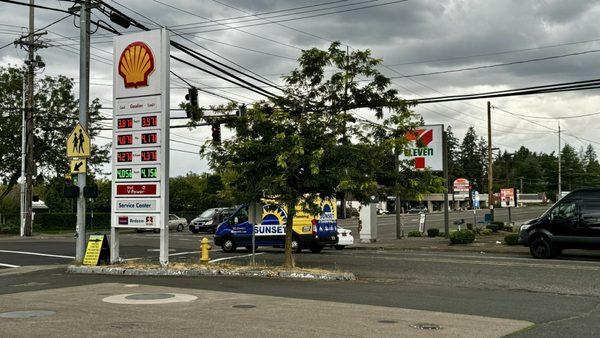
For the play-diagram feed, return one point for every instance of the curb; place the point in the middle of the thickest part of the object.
(458, 250)
(107, 270)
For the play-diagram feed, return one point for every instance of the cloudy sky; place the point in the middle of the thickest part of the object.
(412, 37)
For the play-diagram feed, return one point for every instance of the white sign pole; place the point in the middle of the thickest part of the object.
(140, 150)
(164, 175)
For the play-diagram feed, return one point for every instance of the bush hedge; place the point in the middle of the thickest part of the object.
(511, 239)
(433, 232)
(414, 233)
(464, 236)
(508, 228)
(494, 226)
(487, 232)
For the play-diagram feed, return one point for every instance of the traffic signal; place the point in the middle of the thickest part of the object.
(216, 132)
(192, 97)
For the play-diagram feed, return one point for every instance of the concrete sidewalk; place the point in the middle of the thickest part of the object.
(86, 311)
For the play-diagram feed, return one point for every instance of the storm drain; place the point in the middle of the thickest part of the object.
(425, 326)
(244, 306)
(149, 298)
(27, 314)
(387, 321)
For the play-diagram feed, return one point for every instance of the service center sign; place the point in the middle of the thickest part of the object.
(425, 148)
(140, 151)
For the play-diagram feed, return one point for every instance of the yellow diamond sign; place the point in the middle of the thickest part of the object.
(78, 142)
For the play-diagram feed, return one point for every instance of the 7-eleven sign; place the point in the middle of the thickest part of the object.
(425, 148)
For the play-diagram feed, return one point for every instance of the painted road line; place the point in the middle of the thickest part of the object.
(36, 254)
(233, 257)
(9, 265)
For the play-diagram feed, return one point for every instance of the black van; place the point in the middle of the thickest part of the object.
(572, 223)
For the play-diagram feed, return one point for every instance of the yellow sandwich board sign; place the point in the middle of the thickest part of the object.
(78, 166)
(78, 142)
(97, 250)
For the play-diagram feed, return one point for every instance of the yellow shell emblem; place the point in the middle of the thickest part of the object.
(136, 64)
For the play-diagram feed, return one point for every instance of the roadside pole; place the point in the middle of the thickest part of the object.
(84, 75)
(559, 168)
(490, 164)
(446, 184)
(23, 156)
(398, 203)
(28, 229)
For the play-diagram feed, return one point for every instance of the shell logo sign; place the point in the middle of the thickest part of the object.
(136, 64)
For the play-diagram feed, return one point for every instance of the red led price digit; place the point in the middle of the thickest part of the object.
(149, 155)
(149, 121)
(149, 138)
(125, 123)
(124, 156)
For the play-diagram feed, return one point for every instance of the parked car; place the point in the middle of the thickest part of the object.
(177, 223)
(418, 210)
(210, 219)
(572, 223)
(345, 238)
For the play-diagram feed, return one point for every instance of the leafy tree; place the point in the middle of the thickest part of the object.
(471, 161)
(308, 142)
(56, 111)
(572, 168)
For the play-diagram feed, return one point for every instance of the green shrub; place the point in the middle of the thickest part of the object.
(486, 232)
(464, 236)
(433, 232)
(508, 228)
(470, 226)
(493, 226)
(414, 233)
(442, 234)
(511, 239)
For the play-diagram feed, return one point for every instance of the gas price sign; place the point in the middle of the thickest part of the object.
(140, 161)
(131, 123)
(138, 138)
(137, 173)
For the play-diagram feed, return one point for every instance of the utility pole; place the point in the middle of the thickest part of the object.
(521, 179)
(23, 159)
(27, 161)
(84, 86)
(490, 169)
(559, 173)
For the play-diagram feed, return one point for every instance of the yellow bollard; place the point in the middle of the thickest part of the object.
(204, 247)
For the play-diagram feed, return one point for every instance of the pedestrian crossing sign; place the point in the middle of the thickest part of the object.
(78, 142)
(78, 166)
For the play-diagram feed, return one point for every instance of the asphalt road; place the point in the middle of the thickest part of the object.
(387, 223)
(560, 296)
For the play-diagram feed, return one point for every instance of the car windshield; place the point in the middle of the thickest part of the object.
(207, 213)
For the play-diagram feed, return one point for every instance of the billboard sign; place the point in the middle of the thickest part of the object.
(425, 148)
(508, 197)
(140, 147)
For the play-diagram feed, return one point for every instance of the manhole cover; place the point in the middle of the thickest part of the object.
(387, 321)
(425, 326)
(26, 314)
(244, 306)
(150, 296)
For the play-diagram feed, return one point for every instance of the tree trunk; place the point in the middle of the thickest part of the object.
(289, 258)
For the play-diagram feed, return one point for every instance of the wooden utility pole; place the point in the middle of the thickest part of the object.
(490, 163)
(559, 168)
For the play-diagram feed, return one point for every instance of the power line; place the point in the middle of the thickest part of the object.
(265, 13)
(499, 64)
(492, 53)
(301, 17)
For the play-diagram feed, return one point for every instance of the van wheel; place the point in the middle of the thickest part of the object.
(542, 248)
(316, 248)
(180, 228)
(339, 247)
(228, 245)
(296, 246)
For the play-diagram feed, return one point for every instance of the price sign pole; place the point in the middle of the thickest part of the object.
(140, 162)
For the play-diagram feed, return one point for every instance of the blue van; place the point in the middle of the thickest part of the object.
(309, 231)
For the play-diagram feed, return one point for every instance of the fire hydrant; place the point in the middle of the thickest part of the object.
(204, 247)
